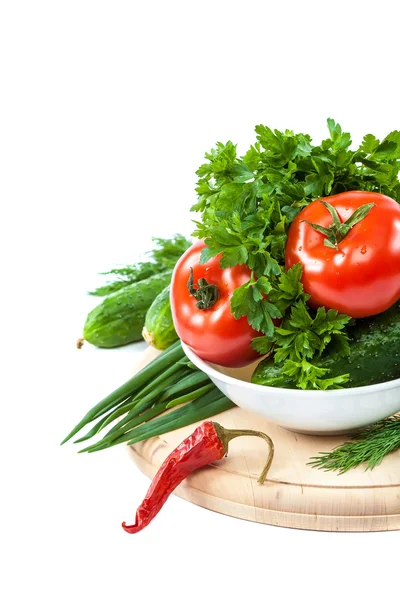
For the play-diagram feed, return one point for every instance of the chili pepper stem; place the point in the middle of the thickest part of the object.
(226, 435)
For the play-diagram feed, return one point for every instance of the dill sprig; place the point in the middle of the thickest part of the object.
(162, 257)
(369, 446)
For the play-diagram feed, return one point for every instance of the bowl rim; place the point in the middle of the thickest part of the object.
(207, 367)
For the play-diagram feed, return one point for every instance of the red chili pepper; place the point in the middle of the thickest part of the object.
(207, 443)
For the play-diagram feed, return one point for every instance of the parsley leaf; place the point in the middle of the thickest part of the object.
(309, 376)
(316, 331)
(287, 288)
(249, 300)
(302, 335)
(369, 144)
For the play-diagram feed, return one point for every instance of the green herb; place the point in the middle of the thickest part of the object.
(303, 333)
(370, 446)
(162, 258)
(169, 380)
(247, 205)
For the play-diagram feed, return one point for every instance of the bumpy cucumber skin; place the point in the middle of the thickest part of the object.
(159, 330)
(119, 319)
(374, 355)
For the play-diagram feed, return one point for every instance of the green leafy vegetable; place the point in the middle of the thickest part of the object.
(163, 257)
(304, 333)
(247, 204)
(246, 300)
(369, 447)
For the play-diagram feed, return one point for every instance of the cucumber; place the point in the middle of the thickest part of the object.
(159, 330)
(374, 355)
(119, 319)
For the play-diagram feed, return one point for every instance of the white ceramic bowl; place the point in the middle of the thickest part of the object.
(314, 412)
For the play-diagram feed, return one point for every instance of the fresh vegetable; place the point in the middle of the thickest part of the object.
(208, 443)
(247, 205)
(159, 330)
(200, 303)
(349, 248)
(120, 317)
(303, 336)
(170, 380)
(162, 258)
(373, 356)
(369, 446)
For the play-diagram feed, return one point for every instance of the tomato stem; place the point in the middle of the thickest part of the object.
(337, 231)
(205, 293)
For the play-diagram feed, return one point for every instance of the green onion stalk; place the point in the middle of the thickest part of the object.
(141, 406)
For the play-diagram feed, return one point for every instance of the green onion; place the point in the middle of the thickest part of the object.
(168, 357)
(193, 379)
(207, 406)
(169, 381)
(190, 396)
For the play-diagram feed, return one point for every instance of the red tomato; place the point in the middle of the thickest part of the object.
(212, 333)
(361, 277)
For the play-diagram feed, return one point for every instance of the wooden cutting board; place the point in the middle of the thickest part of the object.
(294, 495)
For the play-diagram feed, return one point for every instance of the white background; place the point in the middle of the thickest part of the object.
(106, 111)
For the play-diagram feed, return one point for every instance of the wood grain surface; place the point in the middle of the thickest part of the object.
(294, 495)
